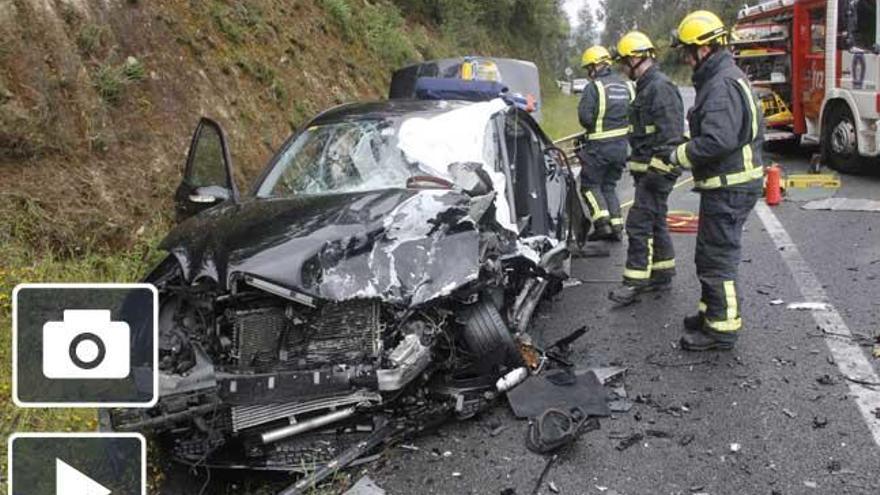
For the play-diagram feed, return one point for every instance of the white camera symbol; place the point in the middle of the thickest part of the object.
(86, 345)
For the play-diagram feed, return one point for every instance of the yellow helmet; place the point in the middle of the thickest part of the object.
(595, 55)
(635, 44)
(700, 28)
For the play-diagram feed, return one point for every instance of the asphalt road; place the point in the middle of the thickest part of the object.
(763, 396)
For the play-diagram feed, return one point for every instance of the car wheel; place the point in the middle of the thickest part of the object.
(840, 145)
(488, 337)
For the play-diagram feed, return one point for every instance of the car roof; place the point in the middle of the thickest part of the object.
(384, 109)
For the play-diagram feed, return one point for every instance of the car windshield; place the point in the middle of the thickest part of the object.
(349, 156)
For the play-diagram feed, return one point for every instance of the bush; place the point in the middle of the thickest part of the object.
(133, 70)
(109, 81)
(340, 13)
(90, 38)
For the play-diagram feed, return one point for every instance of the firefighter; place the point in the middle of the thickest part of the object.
(657, 121)
(604, 113)
(724, 155)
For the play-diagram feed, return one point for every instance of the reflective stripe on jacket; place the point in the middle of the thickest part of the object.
(726, 126)
(657, 120)
(604, 107)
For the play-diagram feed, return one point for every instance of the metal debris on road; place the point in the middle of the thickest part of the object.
(819, 422)
(553, 487)
(571, 282)
(686, 440)
(735, 447)
(776, 302)
(789, 413)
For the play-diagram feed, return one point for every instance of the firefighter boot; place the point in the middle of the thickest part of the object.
(694, 323)
(601, 231)
(708, 340)
(660, 282)
(626, 294)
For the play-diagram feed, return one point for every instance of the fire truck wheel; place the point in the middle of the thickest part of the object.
(840, 141)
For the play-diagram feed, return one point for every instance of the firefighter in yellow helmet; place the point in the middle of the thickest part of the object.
(724, 155)
(604, 113)
(657, 123)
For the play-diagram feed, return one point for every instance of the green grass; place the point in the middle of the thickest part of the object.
(559, 114)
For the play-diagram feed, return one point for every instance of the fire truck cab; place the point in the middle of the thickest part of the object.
(815, 65)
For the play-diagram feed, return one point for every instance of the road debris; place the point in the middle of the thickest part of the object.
(826, 380)
(544, 472)
(365, 486)
(811, 484)
(494, 432)
(819, 422)
(735, 447)
(553, 487)
(658, 434)
(809, 306)
(620, 405)
(629, 441)
(776, 302)
(686, 440)
(789, 413)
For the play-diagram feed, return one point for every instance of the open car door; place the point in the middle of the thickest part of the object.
(207, 178)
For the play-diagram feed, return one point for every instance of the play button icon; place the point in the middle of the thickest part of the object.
(77, 464)
(69, 480)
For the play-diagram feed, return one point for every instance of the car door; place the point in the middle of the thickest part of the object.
(207, 178)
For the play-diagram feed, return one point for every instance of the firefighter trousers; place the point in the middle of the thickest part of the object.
(650, 256)
(602, 164)
(722, 215)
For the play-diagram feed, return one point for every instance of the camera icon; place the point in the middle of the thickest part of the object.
(86, 345)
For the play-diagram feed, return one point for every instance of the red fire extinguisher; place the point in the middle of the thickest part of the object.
(773, 186)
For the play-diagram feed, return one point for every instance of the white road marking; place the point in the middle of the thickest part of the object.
(847, 355)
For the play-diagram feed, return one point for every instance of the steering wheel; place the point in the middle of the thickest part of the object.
(427, 182)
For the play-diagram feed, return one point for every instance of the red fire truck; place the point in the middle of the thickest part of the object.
(814, 64)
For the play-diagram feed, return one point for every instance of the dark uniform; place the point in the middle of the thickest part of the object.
(657, 118)
(724, 153)
(604, 113)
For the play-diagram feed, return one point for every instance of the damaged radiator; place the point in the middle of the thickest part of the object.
(342, 333)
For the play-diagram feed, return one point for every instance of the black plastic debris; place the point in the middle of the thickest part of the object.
(540, 393)
(629, 441)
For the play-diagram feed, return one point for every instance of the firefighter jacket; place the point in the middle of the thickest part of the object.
(726, 126)
(657, 118)
(604, 107)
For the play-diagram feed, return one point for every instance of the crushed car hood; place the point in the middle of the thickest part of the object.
(404, 246)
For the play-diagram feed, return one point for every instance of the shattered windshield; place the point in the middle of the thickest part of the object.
(341, 157)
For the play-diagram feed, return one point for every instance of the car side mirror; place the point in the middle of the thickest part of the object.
(207, 179)
(209, 195)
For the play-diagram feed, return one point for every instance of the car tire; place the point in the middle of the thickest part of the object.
(840, 141)
(487, 336)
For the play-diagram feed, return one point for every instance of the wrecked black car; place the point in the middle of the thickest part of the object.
(379, 279)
